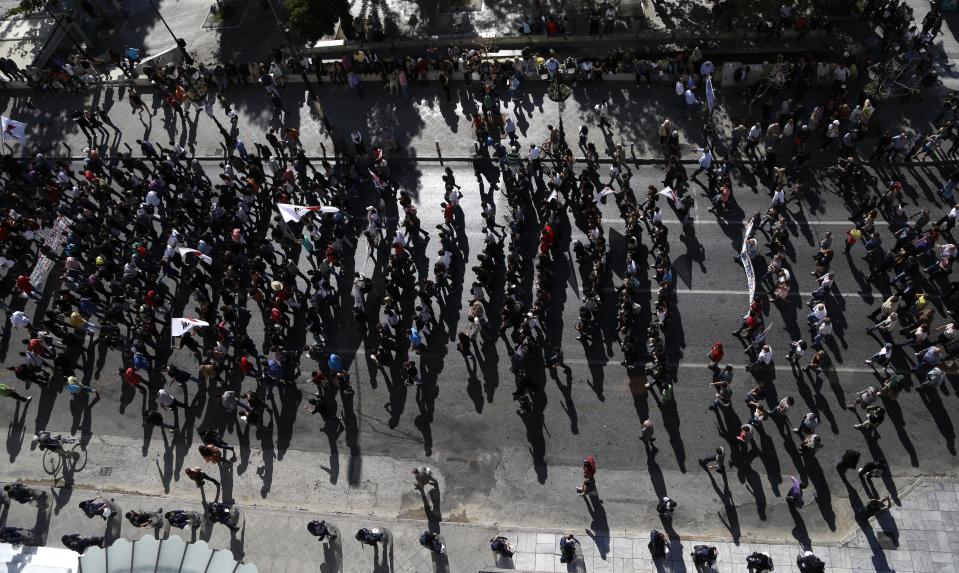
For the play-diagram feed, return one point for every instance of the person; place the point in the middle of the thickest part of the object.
(78, 543)
(368, 536)
(807, 425)
(181, 519)
(225, 514)
(658, 545)
(864, 398)
(874, 417)
(758, 562)
(145, 519)
(432, 541)
(320, 530)
(666, 507)
(199, 477)
(501, 547)
(646, 435)
(715, 461)
(98, 507)
(567, 548)
(881, 358)
(423, 476)
(154, 418)
(794, 496)
(8, 392)
(808, 562)
(874, 507)
(704, 556)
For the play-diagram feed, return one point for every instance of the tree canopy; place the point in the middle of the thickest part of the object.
(313, 19)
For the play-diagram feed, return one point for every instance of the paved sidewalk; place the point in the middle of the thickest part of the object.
(921, 536)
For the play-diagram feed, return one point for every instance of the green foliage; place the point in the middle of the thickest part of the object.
(313, 19)
(25, 7)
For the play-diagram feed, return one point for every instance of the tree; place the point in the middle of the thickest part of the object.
(313, 19)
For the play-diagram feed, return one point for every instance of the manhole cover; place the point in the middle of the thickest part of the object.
(888, 540)
(106, 470)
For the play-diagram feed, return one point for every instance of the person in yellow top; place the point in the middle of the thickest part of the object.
(8, 392)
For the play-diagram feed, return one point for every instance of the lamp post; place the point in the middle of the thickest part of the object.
(180, 42)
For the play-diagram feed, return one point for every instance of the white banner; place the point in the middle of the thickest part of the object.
(748, 262)
(56, 237)
(295, 212)
(39, 274)
(184, 251)
(710, 93)
(180, 326)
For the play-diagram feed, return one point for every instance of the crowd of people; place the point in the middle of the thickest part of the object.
(150, 234)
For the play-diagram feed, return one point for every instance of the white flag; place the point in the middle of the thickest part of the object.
(181, 326)
(670, 193)
(13, 129)
(295, 212)
(597, 197)
(184, 251)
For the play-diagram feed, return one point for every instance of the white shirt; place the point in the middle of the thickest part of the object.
(765, 356)
(779, 198)
(164, 398)
(19, 319)
(819, 312)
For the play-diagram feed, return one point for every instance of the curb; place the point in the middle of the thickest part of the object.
(446, 524)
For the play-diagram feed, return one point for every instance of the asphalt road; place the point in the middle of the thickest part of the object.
(500, 469)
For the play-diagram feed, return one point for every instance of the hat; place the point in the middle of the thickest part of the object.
(71, 380)
(277, 286)
(370, 208)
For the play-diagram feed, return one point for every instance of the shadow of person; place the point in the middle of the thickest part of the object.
(431, 505)
(799, 531)
(441, 562)
(237, 542)
(333, 555)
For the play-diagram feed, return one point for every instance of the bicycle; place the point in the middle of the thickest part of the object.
(54, 445)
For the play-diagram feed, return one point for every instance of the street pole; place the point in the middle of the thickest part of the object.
(180, 42)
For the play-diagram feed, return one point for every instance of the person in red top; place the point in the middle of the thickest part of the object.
(26, 287)
(589, 466)
(449, 215)
(749, 324)
(36, 346)
(546, 239)
(131, 377)
(716, 354)
(248, 367)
